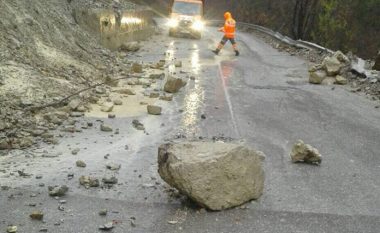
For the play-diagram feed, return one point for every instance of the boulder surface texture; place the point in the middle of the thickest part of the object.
(215, 175)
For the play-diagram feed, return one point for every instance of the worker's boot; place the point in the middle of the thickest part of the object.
(237, 53)
(216, 51)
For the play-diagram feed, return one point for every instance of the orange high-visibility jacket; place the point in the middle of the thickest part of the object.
(229, 28)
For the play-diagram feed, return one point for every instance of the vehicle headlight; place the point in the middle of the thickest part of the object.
(173, 23)
(198, 25)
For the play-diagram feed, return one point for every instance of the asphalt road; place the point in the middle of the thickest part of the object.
(261, 98)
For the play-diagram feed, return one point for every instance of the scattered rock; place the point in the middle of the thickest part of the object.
(113, 166)
(157, 76)
(110, 180)
(88, 181)
(103, 212)
(173, 84)
(130, 46)
(118, 102)
(138, 125)
(37, 215)
(154, 95)
(154, 110)
(178, 64)
(332, 66)
(81, 163)
(136, 68)
(75, 151)
(329, 81)
(341, 80)
(126, 91)
(302, 152)
(106, 227)
(167, 97)
(215, 175)
(111, 116)
(12, 229)
(74, 104)
(100, 90)
(58, 191)
(317, 76)
(106, 128)
(107, 107)
(203, 117)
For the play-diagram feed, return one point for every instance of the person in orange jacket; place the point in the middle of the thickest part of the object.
(229, 34)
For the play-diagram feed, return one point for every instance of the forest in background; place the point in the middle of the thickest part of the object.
(347, 25)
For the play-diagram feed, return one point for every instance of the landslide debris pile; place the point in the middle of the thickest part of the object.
(46, 56)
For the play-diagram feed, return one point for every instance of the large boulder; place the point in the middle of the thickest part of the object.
(173, 84)
(332, 66)
(214, 175)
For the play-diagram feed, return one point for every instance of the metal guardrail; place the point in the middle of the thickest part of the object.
(278, 36)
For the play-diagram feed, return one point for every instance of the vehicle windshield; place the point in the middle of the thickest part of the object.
(187, 8)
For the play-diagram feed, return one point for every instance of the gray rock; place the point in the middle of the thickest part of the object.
(74, 104)
(178, 64)
(329, 81)
(37, 215)
(130, 46)
(173, 84)
(110, 180)
(138, 125)
(88, 181)
(75, 151)
(302, 152)
(76, 114)
(154, 110)
(166, 97)
(103, 212)
(107, 107)
(106, 128)
(317, 77)
(154, 95)
(332, 66)
(340, 80)
(106, 227)
(80, 163)
(113, 166)
(12, 229)
(137, 68)
(215, 175)
(126, 91)
(58, 191)
(118, 102)
(100, 90)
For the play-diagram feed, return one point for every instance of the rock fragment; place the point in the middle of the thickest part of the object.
(332, 66)
(126, 91)
(107, 107)
(11, 229)
(215, 175)
(118, 102)
(173, 84)
(341, 80)
(88, 181)
(130, 46)
(154, 110)
(302, 152)
(138, 125)
(137, 68)
(106, 227)
(106, 128)
(80, 163)
(58, 191)
(317, 76)
(37, 215)
(113, 166)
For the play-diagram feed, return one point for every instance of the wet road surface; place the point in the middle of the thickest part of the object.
(261, 98)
